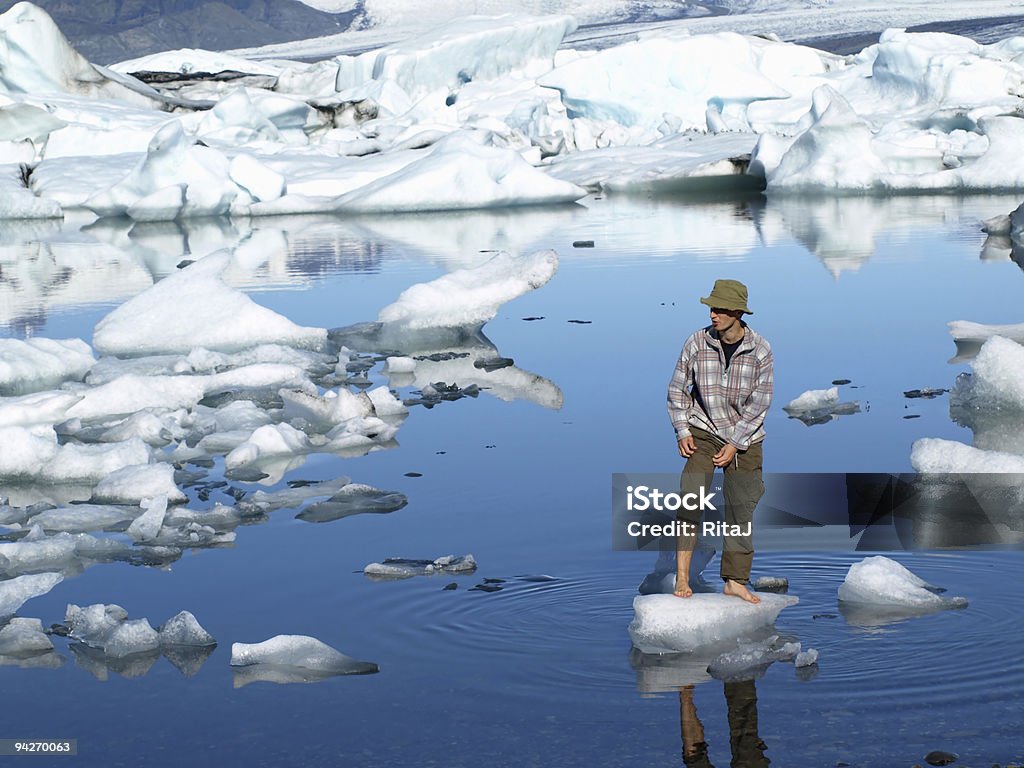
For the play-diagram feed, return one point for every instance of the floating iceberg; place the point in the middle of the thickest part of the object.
(130, 485)
(107, 629)
(353, 499)
(470, 297)
(292, 659)
(883, 583)
(460, 173)
(996, 381)
(15, 592)
(183, 629)
(935, 455)
(24, 637)
(35, 364)
(669, 624)
(28, 456)
(819, 406)
(403, 568)
(195, 308)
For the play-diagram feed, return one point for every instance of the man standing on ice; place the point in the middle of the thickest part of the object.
(717, 400)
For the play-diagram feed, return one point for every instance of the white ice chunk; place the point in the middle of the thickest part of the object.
(470, 297)
(93, 623)
(386, 404)
(806, 658)
(813, 399)
(879, 581)
(175, 178)
(255, 178)
(327, 411)
(80, 518)
(403, 568)
(17, 591)
(37, 59)
(469, 49)
(933, 454)
(186, 61)
(147, 525)
(400, 365)
(965, 330)
(39, 408)
(998, 376)
(272, 440)
(24, 637)
(28, 456)
(459, 173)
(192, 308)
(184, 630)
(130, 637)
(299, 652)
(131, 485)
(34, 364)
(669, 624)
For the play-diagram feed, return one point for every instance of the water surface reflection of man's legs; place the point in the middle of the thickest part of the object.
(748, 749)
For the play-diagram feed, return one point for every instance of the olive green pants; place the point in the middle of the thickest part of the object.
(743, 487)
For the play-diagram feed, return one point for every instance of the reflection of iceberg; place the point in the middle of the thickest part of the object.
(451, 356)
(438, 324)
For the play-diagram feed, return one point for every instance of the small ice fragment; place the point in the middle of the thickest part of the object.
(17, 591)
(404, 568)
(771, 584)
(131, 637)
(132, 484)
(147, 526)
(24, 637)
(184, 630)
(400, 365)
(806, 658)
(299, 652)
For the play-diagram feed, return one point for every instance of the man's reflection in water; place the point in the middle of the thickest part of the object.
(747, 747)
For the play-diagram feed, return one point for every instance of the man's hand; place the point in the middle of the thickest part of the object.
(725, 456)
(687, 447)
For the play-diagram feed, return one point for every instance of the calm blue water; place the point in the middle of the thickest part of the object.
(540, 673)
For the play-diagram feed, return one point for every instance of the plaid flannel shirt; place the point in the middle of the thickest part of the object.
(736, 398)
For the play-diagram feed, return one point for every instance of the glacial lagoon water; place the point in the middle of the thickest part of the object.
(540, 673)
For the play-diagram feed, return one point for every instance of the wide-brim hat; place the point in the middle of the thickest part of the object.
(728, 294)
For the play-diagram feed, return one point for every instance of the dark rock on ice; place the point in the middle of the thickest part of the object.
(493, 363)
(582, 243)
(927, 393)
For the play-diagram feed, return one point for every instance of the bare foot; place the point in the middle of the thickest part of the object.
(736, 589)
(682, 588)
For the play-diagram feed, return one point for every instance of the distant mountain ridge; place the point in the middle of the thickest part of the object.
(106, 31)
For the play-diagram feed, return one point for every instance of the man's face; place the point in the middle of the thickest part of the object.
(724, 319)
